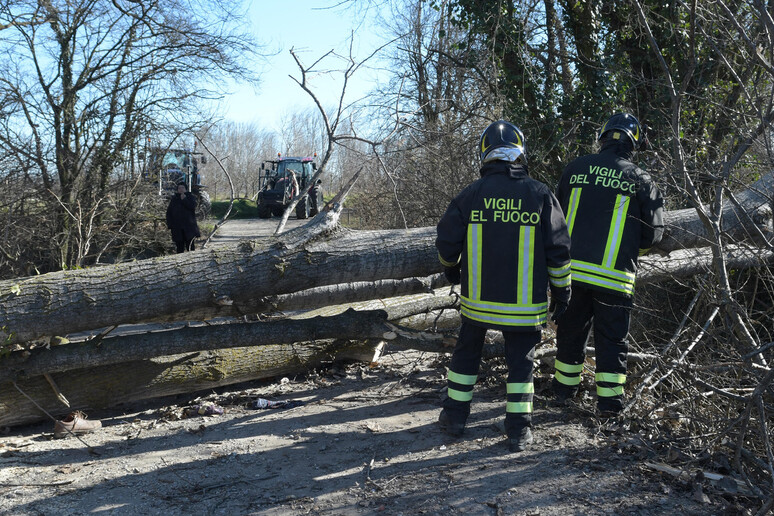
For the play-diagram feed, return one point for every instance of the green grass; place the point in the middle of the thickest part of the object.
(243, 209)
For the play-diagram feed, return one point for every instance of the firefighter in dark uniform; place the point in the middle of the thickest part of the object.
(504, 238)
(614, 214)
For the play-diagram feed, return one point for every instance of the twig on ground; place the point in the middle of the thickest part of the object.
(36, 484)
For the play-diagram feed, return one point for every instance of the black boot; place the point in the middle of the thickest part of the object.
(562, 392)
(519, 440)
(609, 407)
(449, 425)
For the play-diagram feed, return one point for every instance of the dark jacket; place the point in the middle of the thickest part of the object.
(509, 235)
(614, 214)
(181, 218)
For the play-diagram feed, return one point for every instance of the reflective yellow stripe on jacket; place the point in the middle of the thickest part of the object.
(609, 278)
(615, 234)
(503, 313)
(521, 313)
(474, 260)
(572, 208)
(605, 274)
(526, 264)
(560, 276)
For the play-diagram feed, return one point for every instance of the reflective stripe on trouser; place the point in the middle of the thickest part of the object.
(610, 315)
(519, 352)
(567, 374)
(463, 371)
(461, 386)
(610, 385)
(519, 398)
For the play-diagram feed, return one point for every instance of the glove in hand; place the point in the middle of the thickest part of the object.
(557, 310)
(452, 274)
(560, 299)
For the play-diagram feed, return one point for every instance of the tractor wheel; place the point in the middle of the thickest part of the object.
(278, 211)
(203, 206)
(302, 208)
(315, 198)
(264, 212)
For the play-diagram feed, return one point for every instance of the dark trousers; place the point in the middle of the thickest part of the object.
(608, 314)
(183, 246)
(463, 372)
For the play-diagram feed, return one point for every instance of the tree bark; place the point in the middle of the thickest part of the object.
(207, 283)
(100, 374)
(348, 293)
(96, 385)
(689, 262)
(750, 220)
(107, 386)
(350, 325)
(241, 280)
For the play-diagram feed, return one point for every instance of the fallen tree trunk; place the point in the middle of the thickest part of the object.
(108, 386)
(351, 325)
(108, 373)
(205, 284)
(747, 217)
(234, 281)
(345, 294)
(689, 262)
(31, 310)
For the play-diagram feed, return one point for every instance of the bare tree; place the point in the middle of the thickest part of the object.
(243, 147)
(302, 134)
(442, 94)
(727, 390)
(80, 90)
(338, 119)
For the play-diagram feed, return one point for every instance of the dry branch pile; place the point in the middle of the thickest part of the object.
(707, 400)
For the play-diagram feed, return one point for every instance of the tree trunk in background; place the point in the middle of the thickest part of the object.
(686, 230)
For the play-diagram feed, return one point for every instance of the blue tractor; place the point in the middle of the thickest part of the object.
(168, 167)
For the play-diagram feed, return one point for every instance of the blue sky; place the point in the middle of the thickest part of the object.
(312, 30)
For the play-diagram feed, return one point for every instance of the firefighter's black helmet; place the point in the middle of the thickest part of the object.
(624, 124)
(503, 134)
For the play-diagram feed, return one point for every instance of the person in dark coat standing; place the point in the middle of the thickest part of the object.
(181, 219)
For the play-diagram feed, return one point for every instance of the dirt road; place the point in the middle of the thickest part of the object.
(364, 441)
(245, 229)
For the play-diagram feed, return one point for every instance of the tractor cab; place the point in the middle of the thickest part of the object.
(284, 178)
(168, 167)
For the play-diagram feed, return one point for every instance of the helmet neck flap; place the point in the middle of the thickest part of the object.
(503, 141)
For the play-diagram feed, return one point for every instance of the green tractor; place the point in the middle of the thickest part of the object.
(168, 167)
(284, 178)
